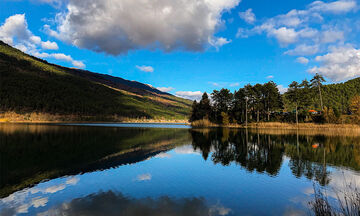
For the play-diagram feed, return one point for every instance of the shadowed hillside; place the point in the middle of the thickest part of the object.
(29, 84)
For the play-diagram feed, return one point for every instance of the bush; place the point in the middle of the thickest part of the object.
(202, 123)
(225, 118)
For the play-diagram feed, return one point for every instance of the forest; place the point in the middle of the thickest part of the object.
(308, 101)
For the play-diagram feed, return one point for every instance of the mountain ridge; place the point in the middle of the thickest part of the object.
(29, 84)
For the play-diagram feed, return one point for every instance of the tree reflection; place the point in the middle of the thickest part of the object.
(309, 156)
(253, 151)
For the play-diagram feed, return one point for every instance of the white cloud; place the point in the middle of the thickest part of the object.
(115, 27)
(165, 89)
(145, 68)
(242, 33)
(302, 60)
(218, 42)
(78, 64)
(248, 16)
(191, 95)
(282, 89)
(340, 64)
(270, 77)
(15, 28)
(16, 33)
(284, 35)
(336, 7)
(61, 56)
(144, 177)
(55, 3)
(330, 36)
(308, 31)
(49, 45)
(303, 49)
(67, 58)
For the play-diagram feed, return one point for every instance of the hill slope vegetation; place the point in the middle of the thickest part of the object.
(29, 84)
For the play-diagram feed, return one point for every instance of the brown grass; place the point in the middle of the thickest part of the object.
(13, 117)
(204, 123)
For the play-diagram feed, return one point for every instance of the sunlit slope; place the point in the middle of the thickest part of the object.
(29, 84)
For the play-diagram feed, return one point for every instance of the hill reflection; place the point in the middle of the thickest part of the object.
(30, 154)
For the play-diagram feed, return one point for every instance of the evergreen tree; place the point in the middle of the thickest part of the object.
(272, 96)
(205, 107)
(294, 96)
(316, 83)
(222, 102)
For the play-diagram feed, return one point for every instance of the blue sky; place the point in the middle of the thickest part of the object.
(188, 47)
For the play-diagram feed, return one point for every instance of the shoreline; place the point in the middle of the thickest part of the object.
(286, 126)
(262, 125)
(45, 118)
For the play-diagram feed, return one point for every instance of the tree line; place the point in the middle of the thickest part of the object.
(303, 102)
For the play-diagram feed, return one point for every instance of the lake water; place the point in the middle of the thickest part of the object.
(164, 169)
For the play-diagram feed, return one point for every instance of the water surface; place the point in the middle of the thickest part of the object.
(167, 170)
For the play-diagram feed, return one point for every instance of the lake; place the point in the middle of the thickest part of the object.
(160, 169)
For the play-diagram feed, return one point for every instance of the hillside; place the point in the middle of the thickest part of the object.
(338, 96)
(29, 85)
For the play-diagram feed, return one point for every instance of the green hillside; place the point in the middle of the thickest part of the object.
(338, 95)
(29, 84)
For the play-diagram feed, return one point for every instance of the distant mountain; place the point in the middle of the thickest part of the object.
(29, 84)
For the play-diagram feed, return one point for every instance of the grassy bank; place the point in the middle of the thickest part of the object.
(35, 117)
(279, 125)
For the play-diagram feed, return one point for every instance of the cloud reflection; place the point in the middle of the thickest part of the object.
(188, 149)
(144, 177)
(111, 203)
(21, 201)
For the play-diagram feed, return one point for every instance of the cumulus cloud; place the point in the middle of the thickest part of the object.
(303, 49)
(16, 28)
(302, 60)
(248, 16)
(191, 95)
(49, 45)
(165, 89)
(308, 31)
(59, 56)
(116, 27)
(145, 68)
(340, 64)
(15, 32)
(284, 35)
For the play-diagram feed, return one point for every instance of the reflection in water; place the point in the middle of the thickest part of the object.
(59, 170)
(111, 204)
(32, 153)
(265, 152)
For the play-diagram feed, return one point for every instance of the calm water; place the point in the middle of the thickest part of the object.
(167, 170)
